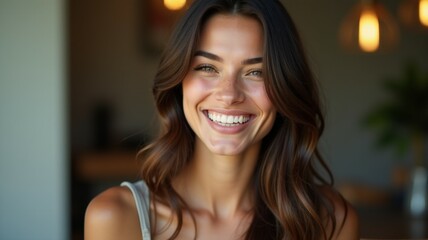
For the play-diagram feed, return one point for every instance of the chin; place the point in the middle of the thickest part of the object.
(228, 149)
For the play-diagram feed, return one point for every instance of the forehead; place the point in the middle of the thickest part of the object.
(232, 33)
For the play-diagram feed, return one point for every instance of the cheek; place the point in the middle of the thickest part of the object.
(259, 95)
(194, 87)
(195, 90)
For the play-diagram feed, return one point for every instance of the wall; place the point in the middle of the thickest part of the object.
(33, 176)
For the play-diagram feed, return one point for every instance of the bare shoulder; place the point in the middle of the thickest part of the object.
(347, 226)
(112, 215)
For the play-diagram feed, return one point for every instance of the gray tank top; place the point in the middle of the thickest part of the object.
(141, 194)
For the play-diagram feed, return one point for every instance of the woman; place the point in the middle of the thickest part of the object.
(236, 156)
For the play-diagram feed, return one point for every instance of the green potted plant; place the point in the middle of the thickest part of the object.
(402, 123)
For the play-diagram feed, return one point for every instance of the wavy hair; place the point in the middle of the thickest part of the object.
(289, 204)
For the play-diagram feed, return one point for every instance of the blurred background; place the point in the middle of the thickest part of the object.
(76, 105)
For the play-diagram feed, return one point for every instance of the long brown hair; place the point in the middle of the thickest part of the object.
(289, 203)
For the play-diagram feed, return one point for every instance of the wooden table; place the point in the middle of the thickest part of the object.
(107, 166)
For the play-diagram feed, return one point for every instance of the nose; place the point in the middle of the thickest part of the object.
(229, 91)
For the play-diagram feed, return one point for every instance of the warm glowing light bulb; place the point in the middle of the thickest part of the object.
(368, 36)
(423, 12)
(174, 4)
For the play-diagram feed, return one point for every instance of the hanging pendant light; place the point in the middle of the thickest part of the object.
(414, 14)
(174, 4)
(368, 28)
(423, 12)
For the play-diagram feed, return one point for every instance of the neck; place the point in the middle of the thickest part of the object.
(218, 184)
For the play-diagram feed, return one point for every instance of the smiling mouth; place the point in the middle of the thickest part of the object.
(228, 120)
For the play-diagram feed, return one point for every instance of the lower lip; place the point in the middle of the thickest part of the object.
(227, 129)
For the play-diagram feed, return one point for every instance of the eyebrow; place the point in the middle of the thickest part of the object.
(219, 59)
(252, 61)
(208, 55)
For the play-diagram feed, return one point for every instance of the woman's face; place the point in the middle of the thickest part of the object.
(224, 96)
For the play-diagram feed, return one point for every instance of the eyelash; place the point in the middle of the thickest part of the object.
(259, 73)
(211, 69)
(206, 68)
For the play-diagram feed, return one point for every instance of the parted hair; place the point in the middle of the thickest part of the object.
(286, 181)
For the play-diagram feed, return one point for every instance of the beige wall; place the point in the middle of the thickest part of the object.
(33, 175)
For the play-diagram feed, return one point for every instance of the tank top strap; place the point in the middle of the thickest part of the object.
(141, 194)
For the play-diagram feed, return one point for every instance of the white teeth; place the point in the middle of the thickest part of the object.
(228, 120)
